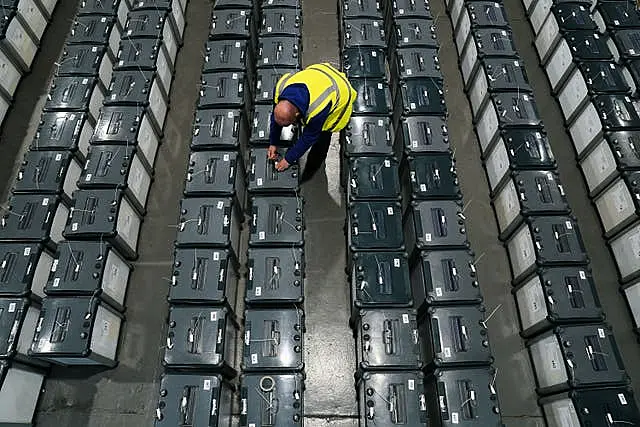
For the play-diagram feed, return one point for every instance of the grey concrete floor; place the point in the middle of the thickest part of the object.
(126, 396)
(330, 351)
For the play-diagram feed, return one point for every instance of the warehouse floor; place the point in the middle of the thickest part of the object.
(126, 396)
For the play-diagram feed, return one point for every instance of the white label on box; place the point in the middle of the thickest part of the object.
(56, 282)
(389, 210)
(259, 182)
(269, 29)
(387, 164)
(401, 11)
(12, 307)
(220, 204)
(524, 249)
(74, 226)
(237, 44)
(375, 24)
(265, 60)
(213, 316)
(412, 105)
(552, 349)
(258, 291)
(569, 226)
(234, 76)
(254, 358)
(601, 333)
(88, 177)
(242, 13)
(396, 262)
(85, 81)
(261, 134)
(439, 292)
(45, 201)
(427, 237)
(27, 251)
(374, 53)
(503, 32)
(265, 95)
(230, 114)
(423, 187)
(408, 71)
(106, 328)
(447, 352)
(216, 256)
(261, 235)
(622, 399)
(411, 384)
(454, 418)
(380, 122)
(380, 86)
(531, 294)
(414, 144)
(405, 318)
(207, 385)
(621, 202)
(225, 158)
(583, 276)
(634, 241)
(406, 39)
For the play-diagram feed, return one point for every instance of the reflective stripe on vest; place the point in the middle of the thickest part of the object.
(327, 71)
(348, 104)
(327, 92)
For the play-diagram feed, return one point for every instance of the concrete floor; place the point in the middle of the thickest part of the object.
(126, 396)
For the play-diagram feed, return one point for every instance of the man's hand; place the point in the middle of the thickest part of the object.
(272, 152)
(282, 165)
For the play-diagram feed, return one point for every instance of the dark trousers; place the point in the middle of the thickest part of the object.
(317, 155)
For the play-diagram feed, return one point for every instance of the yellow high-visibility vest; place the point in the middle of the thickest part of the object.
(325, 84)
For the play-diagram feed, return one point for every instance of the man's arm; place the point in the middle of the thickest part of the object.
(309, 136)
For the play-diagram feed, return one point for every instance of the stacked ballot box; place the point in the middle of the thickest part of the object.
(217, 349)
(23, 26)
(70, 230)
(553, 286)
(592, 66)
(416, 305)
(273, 368)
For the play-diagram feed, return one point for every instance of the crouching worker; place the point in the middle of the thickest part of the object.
(319, 98)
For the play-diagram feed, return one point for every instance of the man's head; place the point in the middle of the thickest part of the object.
(285, 113)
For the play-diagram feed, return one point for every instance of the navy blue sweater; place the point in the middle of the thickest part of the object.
(298, 95)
